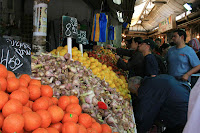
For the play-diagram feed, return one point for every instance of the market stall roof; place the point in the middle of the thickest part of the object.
(158, 10)
(126, 7)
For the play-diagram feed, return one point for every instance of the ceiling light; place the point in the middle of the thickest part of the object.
(198, 36)
(188, 6)
(118, 2)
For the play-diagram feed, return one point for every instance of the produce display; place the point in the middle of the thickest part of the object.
(100, 70)
(68, 77)
(28, 106)
(107, 57)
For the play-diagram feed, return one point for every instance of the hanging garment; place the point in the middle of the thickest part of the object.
(111, 33)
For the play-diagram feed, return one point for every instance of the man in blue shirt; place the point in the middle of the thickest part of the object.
(161, 98)
(181, 59)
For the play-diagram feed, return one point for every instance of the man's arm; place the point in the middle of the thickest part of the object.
(189, 73)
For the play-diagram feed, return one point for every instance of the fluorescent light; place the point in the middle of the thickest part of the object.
(187, 7)
(120, 18)
(118, 2)
(139, 22)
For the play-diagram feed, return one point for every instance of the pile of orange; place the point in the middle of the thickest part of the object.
(26, 106)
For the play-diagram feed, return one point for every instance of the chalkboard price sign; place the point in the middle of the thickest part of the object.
(15, 55)
(81, 37)
(69, 26)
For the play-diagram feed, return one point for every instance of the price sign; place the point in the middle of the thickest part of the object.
(16, 56)
(69, 26)
(81, 37)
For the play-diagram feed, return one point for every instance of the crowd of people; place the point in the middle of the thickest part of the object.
(160, 79)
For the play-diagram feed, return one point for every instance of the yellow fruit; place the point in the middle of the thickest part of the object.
(75, 48)
(74, 53)
(110, 68)
(92, 66)
(62, 52)
(66, 46)
(87, 65)
(85, 54)
(91, 59)
(84, 58)
(103, 67)
(75, 58)
(88, 62)
(59, 48)
(112, 85)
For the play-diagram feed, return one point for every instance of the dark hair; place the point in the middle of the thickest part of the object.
(172, 44)
(138, 40)
(158, 39)
(181, 33)
(165, 45)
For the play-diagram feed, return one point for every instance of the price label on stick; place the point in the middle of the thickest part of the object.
(81, 37)
(69, 26)
(15, 55)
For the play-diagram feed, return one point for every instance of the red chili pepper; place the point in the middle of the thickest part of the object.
(102, 105)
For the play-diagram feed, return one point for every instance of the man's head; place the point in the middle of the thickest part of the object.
(179, 36)
(134, 84)
(158, 41)
(134, 42)
(147, 45)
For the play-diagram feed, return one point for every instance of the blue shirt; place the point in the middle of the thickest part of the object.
(180, 61)
(151, 65)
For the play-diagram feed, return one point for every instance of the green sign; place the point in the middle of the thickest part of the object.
(81, 37)
(69, 26)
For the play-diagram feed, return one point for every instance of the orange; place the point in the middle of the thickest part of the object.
(70, 117)
(23, 82)
(34, 92)
(30, 104)
(26, 109)
(13, 123)
(46, 118)
(63, 102)
(91, 130)
(40, 130)
(55, 100)
(20, 95)
(93, 120)
(52, 130)
(1, 120)
(26, 76)
(74, 108)
(46, 90)
(35, 82)
(3, 99)
(106, 128)
(49, 100)
(56, 113)
(85, 120)
(70, 127)
(12, 106)
(40, 103)
(74, 99)
(24, 89)
(32, 121)
(57, 126)
(12, 84)
(11, 75)
(97, 127)
(3, 83)
(82, 129)
(3, 71)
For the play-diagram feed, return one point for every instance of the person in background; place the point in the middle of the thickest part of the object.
(182, 60)
(161, 98)
(150, 62)
(164, 49)
(158, 42)
(194, 43)
(135, 64)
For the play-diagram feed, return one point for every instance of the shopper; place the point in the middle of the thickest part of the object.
(161, 98)
(182, 60)
(135, 64)
(150, 62)
(194, 43)
(158, 42)
(164, 49)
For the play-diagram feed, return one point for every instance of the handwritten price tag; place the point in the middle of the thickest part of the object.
(69, 26)
(15, 55)
(81, 37)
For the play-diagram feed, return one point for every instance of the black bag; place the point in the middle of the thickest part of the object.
(162, 64)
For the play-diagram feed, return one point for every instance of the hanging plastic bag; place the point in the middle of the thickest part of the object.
(111, 33)
(103, 26)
